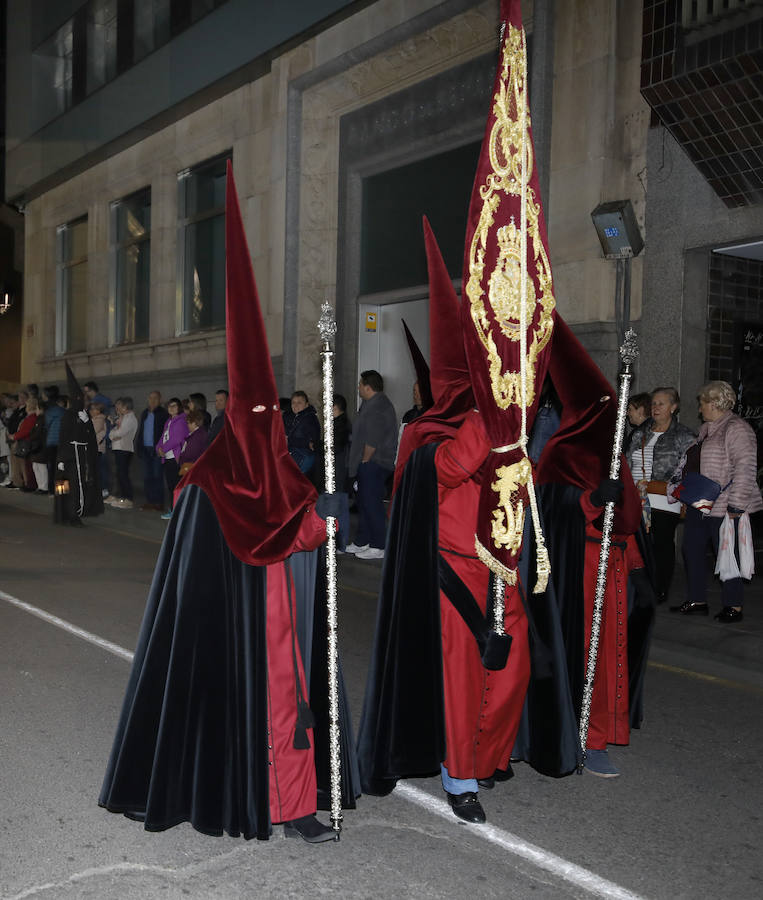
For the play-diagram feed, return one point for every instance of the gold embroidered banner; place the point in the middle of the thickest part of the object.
(507, 303)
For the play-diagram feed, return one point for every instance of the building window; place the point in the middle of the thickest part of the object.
(201, 242)
(104, 38)
(131, 267)
(151, 26)
(56, 56)
(101, 43)
(71, 286)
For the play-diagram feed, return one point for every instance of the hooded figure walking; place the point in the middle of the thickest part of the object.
(216, 729)
(78, 487)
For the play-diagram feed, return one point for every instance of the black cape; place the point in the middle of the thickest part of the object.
(78, 453)
(551, 743)
(402, 730)
(192, 739)
(402, 727)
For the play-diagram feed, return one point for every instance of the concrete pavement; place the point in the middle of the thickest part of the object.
(679, 823)
(737, 645)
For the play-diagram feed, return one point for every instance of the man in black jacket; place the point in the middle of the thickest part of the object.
(150, 427)
(221, 399)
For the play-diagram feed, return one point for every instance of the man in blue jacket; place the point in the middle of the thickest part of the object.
(150, 427)
(53, 413)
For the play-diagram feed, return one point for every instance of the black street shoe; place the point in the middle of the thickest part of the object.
(467, 807)
(499, 775)
(310, 830)
(729, 614)
(691, 608)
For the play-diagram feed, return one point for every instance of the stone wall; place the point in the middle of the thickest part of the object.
(284, 130)
(598, 154)
(685, 220)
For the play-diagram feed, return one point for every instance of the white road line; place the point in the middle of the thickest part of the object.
(539, 857)
(67, 626)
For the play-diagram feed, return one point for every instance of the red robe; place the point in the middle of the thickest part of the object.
(609, 720)
(482, 707)
(292, 772)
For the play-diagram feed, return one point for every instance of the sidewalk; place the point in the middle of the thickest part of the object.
(696, 642)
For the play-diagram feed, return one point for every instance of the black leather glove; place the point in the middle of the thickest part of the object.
(328, 505)
(645, 595)
(609, 491)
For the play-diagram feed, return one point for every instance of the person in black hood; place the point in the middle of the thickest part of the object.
(77, 462)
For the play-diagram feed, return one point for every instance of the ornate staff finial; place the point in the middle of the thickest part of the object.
(327, 323)
(629, 348)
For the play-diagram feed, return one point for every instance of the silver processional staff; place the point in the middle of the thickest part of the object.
(327, 331)
(628, 355)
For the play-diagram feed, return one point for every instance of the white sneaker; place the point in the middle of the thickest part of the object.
(355, 548)
(123, 503)
(370, 553)
(111, 501)
(104, 493)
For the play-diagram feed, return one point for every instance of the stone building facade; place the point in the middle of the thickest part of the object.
(374, 87)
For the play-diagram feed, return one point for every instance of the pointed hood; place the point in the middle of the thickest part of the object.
(580, 450)
(421, 367)
(449, 371)
(256, 488)
(76, 394)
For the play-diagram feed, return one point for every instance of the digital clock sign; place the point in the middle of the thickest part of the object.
(618, 230)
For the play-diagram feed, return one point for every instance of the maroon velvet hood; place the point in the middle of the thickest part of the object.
(449, 371)
(580, 450)
(256, 488)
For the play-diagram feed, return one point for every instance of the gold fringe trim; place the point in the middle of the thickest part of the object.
(496, 567)
(543, 569)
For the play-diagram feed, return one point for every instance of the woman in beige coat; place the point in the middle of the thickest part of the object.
(725, 452)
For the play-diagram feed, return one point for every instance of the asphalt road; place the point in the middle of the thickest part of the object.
(684, 820)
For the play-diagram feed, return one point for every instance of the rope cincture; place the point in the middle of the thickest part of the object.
(81, 509)
(543, 564)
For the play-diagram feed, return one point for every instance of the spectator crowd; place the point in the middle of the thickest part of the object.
(168, 437)
(167, 440)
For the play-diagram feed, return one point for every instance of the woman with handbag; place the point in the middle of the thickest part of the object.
(656, 447)
(28, 441)
(725, 456)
